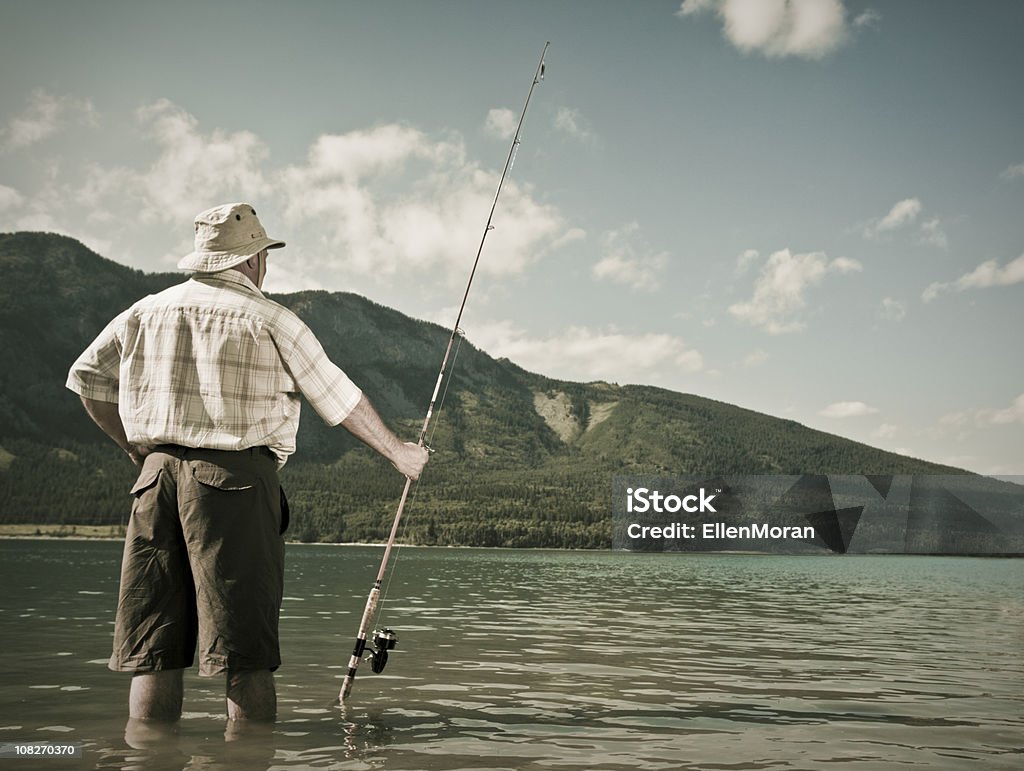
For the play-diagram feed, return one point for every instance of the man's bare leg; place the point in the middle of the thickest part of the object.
(156, 695)
(251, 695)
(153, 735)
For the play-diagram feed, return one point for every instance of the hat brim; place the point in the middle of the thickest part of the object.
(214, 262)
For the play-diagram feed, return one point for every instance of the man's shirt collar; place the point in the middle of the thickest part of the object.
(229, 276)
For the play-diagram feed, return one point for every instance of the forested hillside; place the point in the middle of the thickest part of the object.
(522, 459)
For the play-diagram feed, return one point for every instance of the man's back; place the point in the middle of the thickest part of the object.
(213, 363)
(203, 368)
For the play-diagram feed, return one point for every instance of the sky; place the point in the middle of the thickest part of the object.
(807, 208)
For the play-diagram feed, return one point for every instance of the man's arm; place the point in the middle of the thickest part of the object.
(365, 424)
(106, 416)
(332, 394)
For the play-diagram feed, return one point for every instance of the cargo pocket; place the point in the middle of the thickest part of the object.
(235, 490)
(144, 492)
(147, 478)
(212, 475)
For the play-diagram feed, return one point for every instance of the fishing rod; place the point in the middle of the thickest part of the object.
(386, 639)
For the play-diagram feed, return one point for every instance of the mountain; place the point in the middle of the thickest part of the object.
(522, 459)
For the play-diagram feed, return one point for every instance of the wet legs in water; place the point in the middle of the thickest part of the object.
(250, 695)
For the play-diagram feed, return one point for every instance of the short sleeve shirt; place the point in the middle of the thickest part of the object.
(212, 363)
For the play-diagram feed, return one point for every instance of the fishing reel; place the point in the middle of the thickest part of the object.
(384, 640)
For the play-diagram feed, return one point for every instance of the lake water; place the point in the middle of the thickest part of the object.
(558, 660)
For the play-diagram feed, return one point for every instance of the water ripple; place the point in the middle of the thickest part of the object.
(559, 660)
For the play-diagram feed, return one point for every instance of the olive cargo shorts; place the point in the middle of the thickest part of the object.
(203, 560)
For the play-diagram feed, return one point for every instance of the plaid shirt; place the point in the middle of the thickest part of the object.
(212, 363)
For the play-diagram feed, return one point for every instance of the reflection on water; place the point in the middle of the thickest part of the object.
(559, 660)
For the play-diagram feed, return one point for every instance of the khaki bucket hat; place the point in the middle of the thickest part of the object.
(226, 235)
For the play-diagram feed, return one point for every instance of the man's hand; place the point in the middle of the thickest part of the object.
(105, 415)
(410, 460)
(365, 424)
(138, 453)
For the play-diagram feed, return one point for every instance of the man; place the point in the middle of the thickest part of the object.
(199, 385)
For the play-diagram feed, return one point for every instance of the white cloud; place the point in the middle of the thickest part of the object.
(625, 261)
(988, 274)
(10, 198)
(383, 149)
(755, 359)
(747, 258)
(776, 28)
(571, 122)
(1012, 414)
(987, 417)
(194, 168)
(892, 310)
(932, 233)
(622, 271)
(190, 170)
(365, 203)
(344, 191)
(696, 6)
(1013, 172)
(847, 410)
(779, 290)
(954, 419)
(102, 185)
(35, 211)
(845, 265)
(45, 115)
(501, 123)
(572, 234)
(868, 18)
(902, 213)
(885, 431)
(582, 353)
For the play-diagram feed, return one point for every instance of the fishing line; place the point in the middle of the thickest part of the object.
(385, 639)
(379, 619)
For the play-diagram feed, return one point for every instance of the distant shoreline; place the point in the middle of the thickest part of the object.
(76, 532)
(116, 533)
(102, 533)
